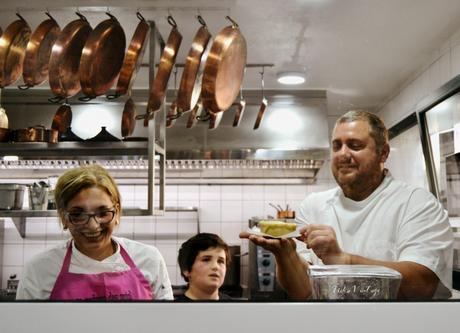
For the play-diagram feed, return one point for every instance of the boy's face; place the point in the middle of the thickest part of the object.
(208, 270)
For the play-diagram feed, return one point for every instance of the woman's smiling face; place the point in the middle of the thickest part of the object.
(92, 237)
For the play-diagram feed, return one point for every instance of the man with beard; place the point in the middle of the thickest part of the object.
(369, 219)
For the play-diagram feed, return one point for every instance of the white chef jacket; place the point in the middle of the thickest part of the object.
(40, 273)
(397, 222)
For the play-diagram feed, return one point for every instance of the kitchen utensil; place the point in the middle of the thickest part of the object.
(167, 60)
(354, 282)
(224, 69)
(62, 118)
(128, 118)
(215, 119)
(263, 105)
(11, 196)
(239, 109)
(69, 136)
(38, 53)
(38, 197)
(51, 135)
(31, 134)
(103, 136)
(64, 75)
(133, 58)
(194, 114)
(13, 45)
(3, 118)
(173, 113)
(102, 58)
(4, 134)
(190, 84)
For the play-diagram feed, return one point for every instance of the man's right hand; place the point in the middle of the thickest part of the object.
(278, 246)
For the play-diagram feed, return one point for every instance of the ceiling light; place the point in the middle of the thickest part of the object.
(291, 77)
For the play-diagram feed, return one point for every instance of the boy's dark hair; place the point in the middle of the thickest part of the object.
(190, 249)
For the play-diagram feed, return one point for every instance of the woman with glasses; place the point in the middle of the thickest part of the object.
(94, 265)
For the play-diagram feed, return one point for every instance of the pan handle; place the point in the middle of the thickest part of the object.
(201, 20)
(49, 15)
(24, 86)
(81, 16)
(20, 17)
(111, 16)
(139, 16)
(205, 117)
(85, 98)
(235, 25)
(171, 21)
(112, 96)
(55, 99)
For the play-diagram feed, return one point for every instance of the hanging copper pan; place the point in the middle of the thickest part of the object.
(13, 45)
(102, 58)
(190, 84)
(38, 52)
(260, 115)
(224, 69)
(62, 118)
(167, 60)
(64, 77)
(128, 118)
(133, 58)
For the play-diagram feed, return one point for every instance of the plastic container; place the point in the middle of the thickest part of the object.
(354, 282)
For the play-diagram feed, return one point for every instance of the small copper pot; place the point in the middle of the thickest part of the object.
(31, 134)
(51, 135)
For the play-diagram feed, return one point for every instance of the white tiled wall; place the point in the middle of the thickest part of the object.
(223, 209)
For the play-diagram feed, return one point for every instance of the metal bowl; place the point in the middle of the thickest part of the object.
(354, 282)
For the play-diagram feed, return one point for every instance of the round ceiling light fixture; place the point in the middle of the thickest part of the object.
(291, 77)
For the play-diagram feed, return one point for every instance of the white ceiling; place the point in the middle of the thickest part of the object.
(359, 51)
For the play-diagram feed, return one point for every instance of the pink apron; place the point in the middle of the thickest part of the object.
(126, 285)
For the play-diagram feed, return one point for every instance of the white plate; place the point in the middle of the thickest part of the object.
(256, 231)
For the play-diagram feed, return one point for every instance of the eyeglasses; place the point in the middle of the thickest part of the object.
(82, 218)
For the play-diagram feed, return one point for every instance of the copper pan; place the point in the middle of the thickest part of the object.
(38, 52)
(215, 119)
(190, 84)
(128, 118)
(102, 58)
(260, 115)
(64, 77)
(160, 82)
(133, 58)
(13, 45)
(62, 118)
(224, 69)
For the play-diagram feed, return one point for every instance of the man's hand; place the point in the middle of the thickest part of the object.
(278, 246)
(323, 241)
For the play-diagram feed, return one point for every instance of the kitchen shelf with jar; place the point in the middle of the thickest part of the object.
(152, 152)
(19, 217)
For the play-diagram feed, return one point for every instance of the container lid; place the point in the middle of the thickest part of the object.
(12, 186)
(353, 271)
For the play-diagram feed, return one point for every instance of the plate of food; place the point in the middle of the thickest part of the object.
(275, 229)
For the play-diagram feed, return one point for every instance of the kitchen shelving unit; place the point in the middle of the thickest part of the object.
(154, 148)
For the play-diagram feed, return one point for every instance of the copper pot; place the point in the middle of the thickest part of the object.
(190, 84)
(133, 58)
(31, 134)
(102, 58)
(224, 69)
(160, 82)
(4, 134)
(64, 77)
(128, 120)
(51, 136)
(62, 118)
(13, 45)
(38, 53)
